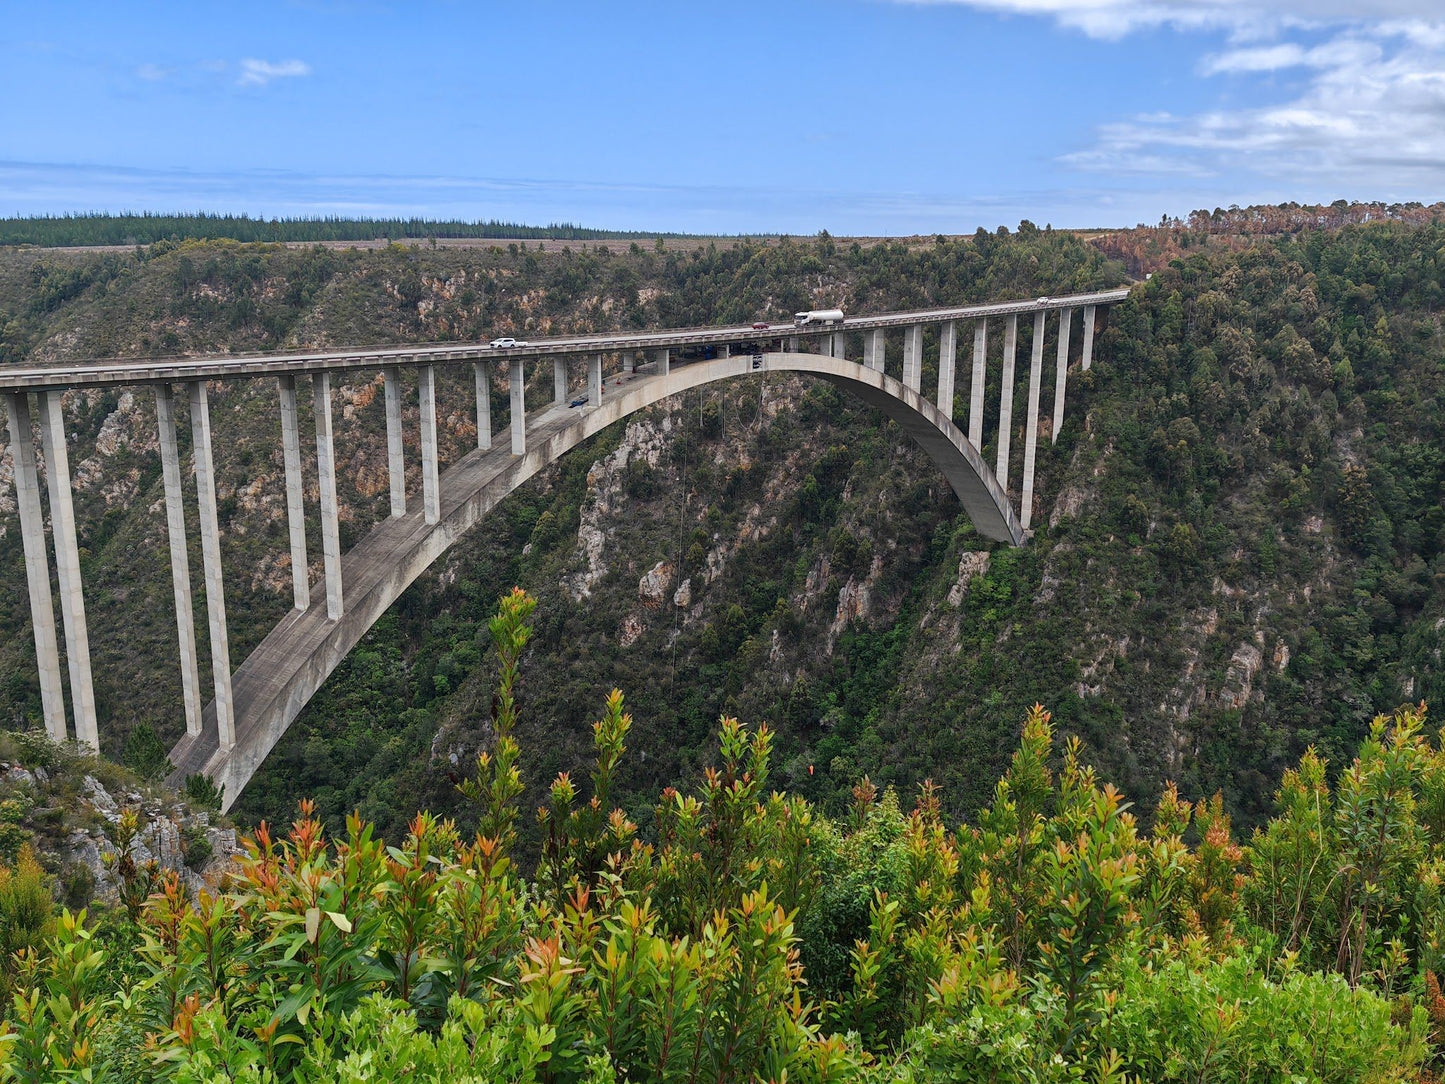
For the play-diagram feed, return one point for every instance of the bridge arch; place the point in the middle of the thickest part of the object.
(277, 680)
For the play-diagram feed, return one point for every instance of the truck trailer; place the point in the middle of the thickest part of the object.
(818, 316)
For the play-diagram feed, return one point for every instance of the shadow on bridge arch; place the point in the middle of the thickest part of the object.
(275, 682)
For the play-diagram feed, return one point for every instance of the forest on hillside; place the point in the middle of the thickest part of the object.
(61, 231)
(1217, 855)
(1238, 552)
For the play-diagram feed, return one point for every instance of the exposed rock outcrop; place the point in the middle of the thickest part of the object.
(971, 563)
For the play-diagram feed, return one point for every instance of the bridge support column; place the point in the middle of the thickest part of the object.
(913, 357)
(1088, 338)
(519, 407)
(980, 370)
(1031, 432)
(326, 486)
(1006, 400)
(180, 558)
(37, 562)
(874, 348)
(559, 380)
(295, 505)
(594, 380)
(664, 361)
(792, 347)
(211, 560)
(484, 404)
(1061, 371)
(947, 352)
(431, 497)
(395, 453)
(838, 345)
(629, 362)
(67, 566)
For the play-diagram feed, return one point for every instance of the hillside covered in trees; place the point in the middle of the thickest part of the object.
(52, 231)
(1237, 556)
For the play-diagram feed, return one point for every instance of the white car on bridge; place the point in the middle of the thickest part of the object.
(506, 342)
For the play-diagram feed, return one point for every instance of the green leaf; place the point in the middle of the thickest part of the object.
(313, 924)
(340, 921)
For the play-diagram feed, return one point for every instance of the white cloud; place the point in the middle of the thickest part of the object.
(1364, 104)
(152, 73)
(1242, 18)
(257, 73)
(1267, 58)
(1270, 58)
(1370, 113)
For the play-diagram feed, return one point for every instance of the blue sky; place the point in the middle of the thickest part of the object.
(856, 116)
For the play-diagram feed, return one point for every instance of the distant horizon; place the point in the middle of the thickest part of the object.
(421, 228)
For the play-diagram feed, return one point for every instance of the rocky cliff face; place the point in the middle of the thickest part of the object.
(92, 835)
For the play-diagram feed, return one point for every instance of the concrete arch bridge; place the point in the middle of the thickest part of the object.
(254, 704)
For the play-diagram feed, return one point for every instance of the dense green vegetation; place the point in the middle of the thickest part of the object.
(750, 937)
(1238, 562)
(1238, 551)
(1243, 557)
(146, 228)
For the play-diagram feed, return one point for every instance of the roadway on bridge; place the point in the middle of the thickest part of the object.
(149, 370)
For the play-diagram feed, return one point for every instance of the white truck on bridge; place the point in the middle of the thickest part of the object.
(818, 316)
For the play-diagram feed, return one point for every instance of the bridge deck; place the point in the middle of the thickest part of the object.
(150, 370)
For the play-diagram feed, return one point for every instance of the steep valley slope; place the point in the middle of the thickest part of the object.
(1238, 550)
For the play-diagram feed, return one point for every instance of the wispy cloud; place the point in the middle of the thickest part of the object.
(1364, 104)
(152, 73)
(1370, 113)
(257, 73)
(1243, 18)
(1271, 58)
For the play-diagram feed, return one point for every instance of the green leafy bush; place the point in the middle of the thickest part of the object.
(1051, 940)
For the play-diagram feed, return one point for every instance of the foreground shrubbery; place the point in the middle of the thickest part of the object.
(753, 939)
